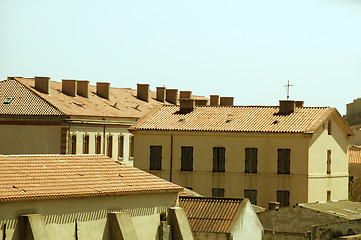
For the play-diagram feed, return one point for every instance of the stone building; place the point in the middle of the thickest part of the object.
(354, 167)
(287, 153)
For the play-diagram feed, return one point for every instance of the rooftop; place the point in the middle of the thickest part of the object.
(60, 176)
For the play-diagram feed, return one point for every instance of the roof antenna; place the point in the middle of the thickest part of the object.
(288, 89)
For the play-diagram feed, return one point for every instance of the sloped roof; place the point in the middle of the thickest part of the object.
(354, 154)
(206, 214)
(23, 101)
(343, 208)
(234, 119)
(60, 176)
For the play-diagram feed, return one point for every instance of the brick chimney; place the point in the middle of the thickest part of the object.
(214, 100)
(226, 101)
(185, 94)
(287, 107)
(103, 89)
(172, 95)
(161, 94)
(143, 92)
(299, 103)
(83, 88)
(42, 84)
(69, 87)
(186, 105)
(201, 102)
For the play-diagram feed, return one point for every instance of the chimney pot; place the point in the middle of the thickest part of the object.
(161, 94)
(214, 100)
(172, 95)
(273, 205)
(187, 104)
(226, 101)
(143, 92)
(83, 88)
(299, 103)
(69, 87)
(185, 94)
(42, 84)
(287, 107)
(103, 89)
(201, 102)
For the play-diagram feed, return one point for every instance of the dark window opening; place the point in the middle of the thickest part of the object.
(219, 159)
(186, 158)
(251, 160)
(283, 162)
(217, 192)
(328, 161)
(155, 157)
(121, 146)
(283, 197)
(110, 146)
(7, 100)
(131, 146)
(251, 194)
(98, 144)
(73, 144)
(86, 144)
(329, 127)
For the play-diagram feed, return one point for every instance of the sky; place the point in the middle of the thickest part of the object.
(233, 48)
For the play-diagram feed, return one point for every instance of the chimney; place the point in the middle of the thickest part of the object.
(287, 107)
(299, 103)
(214, 100)
(69, 87)
(103, 89)
(185, 94)
(201, 102)
(143, 92)
(226, 101)
(186, 105)
(83, 88)
(161, 94)
(42, 84)
(172, 95)
(273, 205)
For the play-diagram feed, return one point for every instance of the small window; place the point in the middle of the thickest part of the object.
(251, 194)
(251, 160)
(186, 158)
(86, 144)
(110, 146)
(283, 163)
(73, 144)
(131, 146)
(283, 197)
(217, 192)
(121, 146)
(219, 159)
(189, 188)
(155, 158)
(329, 127)
(328, 161)
(98, 144)
(328, 196)
(7, 100)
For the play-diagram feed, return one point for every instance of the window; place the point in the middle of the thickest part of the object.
(73, 144)
(251, 195)
(328, 161)
(7, 100)
(121, 146)
(219, 159)
(217, 192)
(155, 157)
(283, 161)
(98, 144)
(328, 196)
(283, 197)
(329, 127)
(251, 160)
(187, 158)
(131, 146)
(110, 146)
(86, 144)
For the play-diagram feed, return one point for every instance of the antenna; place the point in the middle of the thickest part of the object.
(288, 89)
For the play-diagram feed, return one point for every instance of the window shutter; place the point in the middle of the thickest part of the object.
(159, 158)
(215, 159)
(221, 159)
(190, 158)
(254, 160)
(247, 161)
(287, 160)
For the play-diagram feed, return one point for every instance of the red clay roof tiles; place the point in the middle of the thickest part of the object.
(354, 154)
(59, 176)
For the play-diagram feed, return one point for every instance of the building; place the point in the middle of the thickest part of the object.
(85, 197)
(39, 116)
(353, 118)
(222, 218)
(286, 153)
(354, 167)
(322, 220)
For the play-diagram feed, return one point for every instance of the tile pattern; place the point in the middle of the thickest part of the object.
(354, 154)
(59, 176)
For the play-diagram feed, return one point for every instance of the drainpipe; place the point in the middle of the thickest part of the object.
(171, 158)
(104, 141)
(69, 139)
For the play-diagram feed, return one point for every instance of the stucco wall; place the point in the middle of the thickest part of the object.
(336, 230)
(355, 185)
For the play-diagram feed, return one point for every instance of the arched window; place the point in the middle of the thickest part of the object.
(329, 127)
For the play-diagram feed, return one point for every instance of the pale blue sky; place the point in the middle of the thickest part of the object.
(245, 49)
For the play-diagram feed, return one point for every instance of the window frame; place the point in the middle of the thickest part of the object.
(281, 197)
(283, 161)
(251, 161)
(86, 143)
(251, 194)
(329, 161)
(218, 192)
(110, 145)
(155, 157)
(98, 144)
(219, 159)
(131, 146)
(121, 146)
(186, 158)
(73, 140)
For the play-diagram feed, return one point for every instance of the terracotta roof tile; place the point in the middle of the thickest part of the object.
(354, 154)
(233, 119)
(58, 176)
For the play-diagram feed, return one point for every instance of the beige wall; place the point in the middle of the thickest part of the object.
(91, 214)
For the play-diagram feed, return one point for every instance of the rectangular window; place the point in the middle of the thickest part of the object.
(328, 161)
(251, 160)
(131, 146)
(155, 157)
(217, 192)
(283, 197)
(121, 146)
(110, 146)
(251, 194)
(328, 196)
(187, 158)
(219, 154)
(73, 144)
(283, 161)
(86, 144)
(98, 144)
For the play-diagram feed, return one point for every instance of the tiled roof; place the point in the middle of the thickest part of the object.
(23, 101)
(207, 214)
(234, 119)
(354, 154)
(189, 193)
(59, 176)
